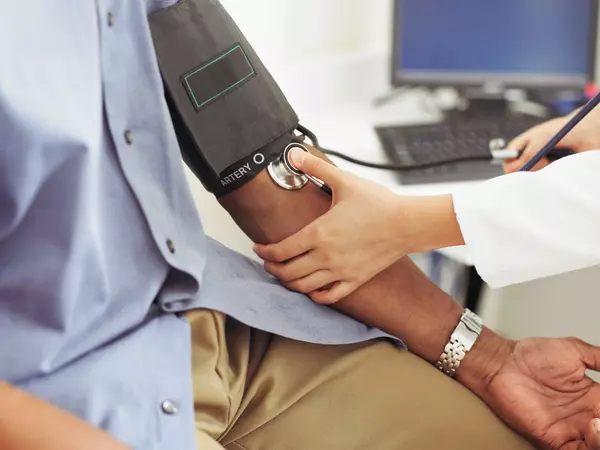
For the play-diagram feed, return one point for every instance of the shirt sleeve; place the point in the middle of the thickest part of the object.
(525, 226)
(155, 5)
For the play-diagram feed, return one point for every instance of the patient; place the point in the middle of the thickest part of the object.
(108, 285)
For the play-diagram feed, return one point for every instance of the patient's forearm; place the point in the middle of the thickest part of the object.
(400, 300)
(27, 423)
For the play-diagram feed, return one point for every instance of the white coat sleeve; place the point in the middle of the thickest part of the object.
(525, 226)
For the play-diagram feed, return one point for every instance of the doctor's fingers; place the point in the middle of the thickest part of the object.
(530, 146)
(296, 268)
(514, 165)
(319, 168)
(291, 247)
(521, 142)
(337, 292)
(312, 282)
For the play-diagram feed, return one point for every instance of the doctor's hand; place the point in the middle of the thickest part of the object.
(585, 136)
(367, 229)
(359, 237)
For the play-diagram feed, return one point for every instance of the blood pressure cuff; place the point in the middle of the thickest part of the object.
(230, 116)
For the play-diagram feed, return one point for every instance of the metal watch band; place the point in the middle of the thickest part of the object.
(462, 340)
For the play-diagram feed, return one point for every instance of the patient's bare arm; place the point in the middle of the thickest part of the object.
(401, 300)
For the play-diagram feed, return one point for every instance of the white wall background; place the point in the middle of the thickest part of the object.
(284, 29)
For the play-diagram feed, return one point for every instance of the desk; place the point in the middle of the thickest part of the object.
(334, 98)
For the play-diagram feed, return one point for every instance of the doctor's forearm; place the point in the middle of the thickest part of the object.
(430, 223)
(400, 300)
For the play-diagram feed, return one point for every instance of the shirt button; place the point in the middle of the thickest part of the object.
(169, 407)
(110, 19)
(171, 245)
(128, 137)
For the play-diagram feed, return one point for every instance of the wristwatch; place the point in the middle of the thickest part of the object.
(462, 340)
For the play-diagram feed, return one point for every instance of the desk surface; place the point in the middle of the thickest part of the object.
(335, 100)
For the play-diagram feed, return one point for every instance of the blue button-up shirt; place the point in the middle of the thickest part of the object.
(100, 243)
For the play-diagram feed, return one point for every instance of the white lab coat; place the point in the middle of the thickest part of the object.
(525, 226)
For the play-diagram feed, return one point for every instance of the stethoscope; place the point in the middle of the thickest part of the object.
(283, 172)
(286, 175)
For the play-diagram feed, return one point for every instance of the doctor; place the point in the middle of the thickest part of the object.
(518, 227)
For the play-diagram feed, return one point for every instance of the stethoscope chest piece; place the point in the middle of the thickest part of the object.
(284, 174)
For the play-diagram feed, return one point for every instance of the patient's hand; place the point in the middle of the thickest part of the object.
(540, 388)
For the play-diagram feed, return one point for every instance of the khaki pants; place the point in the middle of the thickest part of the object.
(257, 391)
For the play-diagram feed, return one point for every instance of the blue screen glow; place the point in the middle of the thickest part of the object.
(517, 37)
